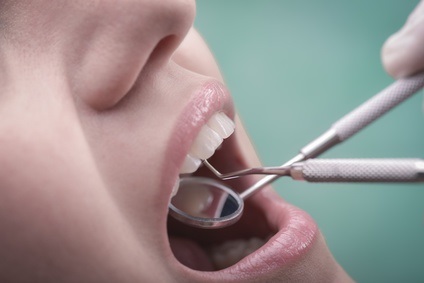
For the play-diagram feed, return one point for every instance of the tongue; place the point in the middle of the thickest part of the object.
(190, 254)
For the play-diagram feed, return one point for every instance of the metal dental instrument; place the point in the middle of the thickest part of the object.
(340, 170)
(222, 207)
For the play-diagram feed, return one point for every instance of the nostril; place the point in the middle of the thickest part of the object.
(163, 50)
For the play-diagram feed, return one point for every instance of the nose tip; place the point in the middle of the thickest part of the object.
(180, 15)
(176, 17)
(168, 18)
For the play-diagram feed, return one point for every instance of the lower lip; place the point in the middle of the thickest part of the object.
(296, 234)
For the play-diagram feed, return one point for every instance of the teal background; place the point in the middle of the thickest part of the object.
(295, 67)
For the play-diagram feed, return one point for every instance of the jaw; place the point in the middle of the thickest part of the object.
(288, 243)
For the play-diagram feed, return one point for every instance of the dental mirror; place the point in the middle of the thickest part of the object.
(206, 203)
(209, 204)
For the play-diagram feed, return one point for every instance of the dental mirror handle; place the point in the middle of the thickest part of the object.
(351, 123)
(364, 114)
(359, 170)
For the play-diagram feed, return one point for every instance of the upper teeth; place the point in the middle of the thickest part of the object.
(208, 140)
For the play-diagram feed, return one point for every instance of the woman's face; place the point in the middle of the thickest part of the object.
(101, 102)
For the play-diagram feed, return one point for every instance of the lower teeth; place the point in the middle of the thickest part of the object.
(230, 252)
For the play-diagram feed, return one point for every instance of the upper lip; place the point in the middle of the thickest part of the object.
(294, 231)
(209, 98)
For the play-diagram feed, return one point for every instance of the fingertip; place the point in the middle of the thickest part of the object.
(402, 54)
(390, 57)
(395, 60)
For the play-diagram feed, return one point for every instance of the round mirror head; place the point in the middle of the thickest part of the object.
(205, 203)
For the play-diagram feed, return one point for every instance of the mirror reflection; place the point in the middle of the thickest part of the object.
(204, 198)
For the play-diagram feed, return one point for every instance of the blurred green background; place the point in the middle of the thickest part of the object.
(294, 67)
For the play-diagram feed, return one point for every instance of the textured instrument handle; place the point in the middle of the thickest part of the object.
(363, 170)
(377, 106)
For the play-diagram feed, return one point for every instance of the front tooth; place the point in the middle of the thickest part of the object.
(208, 140)
(190, 164)
(221, 124)
(206, 143)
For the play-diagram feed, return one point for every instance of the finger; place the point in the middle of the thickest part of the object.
(402, 53)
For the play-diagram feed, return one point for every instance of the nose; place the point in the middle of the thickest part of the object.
(132, 34)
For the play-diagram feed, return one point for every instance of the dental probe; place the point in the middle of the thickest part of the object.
(341, 170)
(351, 123)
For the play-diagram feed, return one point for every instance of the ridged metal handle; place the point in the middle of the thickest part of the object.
(376, 106)
(360, 170)
(351, 124)
(364, 114)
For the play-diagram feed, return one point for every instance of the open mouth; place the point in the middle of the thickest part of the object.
(270, 234)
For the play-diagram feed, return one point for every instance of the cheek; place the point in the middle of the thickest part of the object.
(193, 54)
(129, 145)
